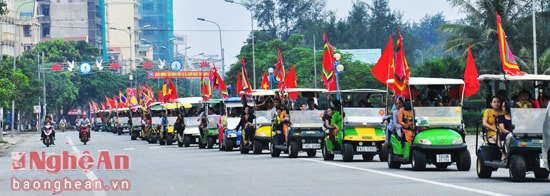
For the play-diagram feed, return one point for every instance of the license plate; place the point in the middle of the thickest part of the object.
(443, 158)
(366, 149)
(311, 146)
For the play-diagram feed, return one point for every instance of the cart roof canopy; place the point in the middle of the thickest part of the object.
(362, 91)
(320, 90)
(261, 92)
(509, 77)
(189, 100)
(431, 81)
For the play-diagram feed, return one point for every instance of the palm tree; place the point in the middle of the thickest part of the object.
(479, 30)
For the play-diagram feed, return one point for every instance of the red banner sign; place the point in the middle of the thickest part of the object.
(181, 74)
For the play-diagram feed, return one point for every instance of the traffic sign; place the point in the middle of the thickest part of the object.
(37, 109)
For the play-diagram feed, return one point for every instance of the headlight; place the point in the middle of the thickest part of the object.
(261, 134)
(303, 141)
(231, 135)
(458, 141)
(360, 143)
(424, 141)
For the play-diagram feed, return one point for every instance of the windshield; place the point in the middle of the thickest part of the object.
(363, 116)
(528, 120)
(212, 121)
(191, 121)
(263, 117)
(438, 116)
(307, 118)
(232, 122)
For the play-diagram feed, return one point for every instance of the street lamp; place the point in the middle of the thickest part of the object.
(271, 77)
(14, 62)
(339, 70)
(221, 46)
(252, 34)
(158, 49)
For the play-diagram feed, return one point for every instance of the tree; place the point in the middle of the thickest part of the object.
(285, 17)
(3, 8)
(479, 30)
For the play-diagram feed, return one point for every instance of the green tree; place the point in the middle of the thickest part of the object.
(479, 30)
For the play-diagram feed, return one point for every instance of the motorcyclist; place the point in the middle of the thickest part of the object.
(63, 124)
(48, 121)
(84, 122)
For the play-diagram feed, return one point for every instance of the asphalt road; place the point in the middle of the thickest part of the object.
(159, 170)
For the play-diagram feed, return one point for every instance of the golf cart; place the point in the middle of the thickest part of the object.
(231, 138)
(123, 119)
(136, 126)
(524, 149)
(305, 130)
(363, 127)
(191, 134)
(212, 109)
(264, 115)
(437, 133)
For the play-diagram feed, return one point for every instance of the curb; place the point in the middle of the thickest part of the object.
(5, 148)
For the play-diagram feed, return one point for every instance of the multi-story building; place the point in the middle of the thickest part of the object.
(123, 32)
(159, 17)
(19, 27)
(71, 20)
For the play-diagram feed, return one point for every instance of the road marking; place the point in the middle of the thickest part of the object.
(155, 147)
(407, 177)
(128, 148)
(90, 174)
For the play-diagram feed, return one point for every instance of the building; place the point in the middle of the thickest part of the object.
(159, 17)
(20, 27)
(123, 32)
(70, 19)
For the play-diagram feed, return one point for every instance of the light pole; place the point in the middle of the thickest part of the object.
(339, 70)
(252, 34)
(221, 46)
(132, 57)
(16, 35)
(158, 49)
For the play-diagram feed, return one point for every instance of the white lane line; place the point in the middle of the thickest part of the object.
(408, 178)
(90, 174)
(155, 147)
(128, 148)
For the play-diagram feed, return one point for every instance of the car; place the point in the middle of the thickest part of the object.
(305, 131)
(438, 130)
(363, 128)
(231, 138)
(526, 148)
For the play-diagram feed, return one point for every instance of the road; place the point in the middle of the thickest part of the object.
(155, 169)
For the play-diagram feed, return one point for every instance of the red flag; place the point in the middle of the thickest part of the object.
(265, 81)
(280, 71)
(471, 83)
(214, 78)
(173, 92)
(161, 98)
(383, 70)
(239, 84)
(244, 77)
(401, 71)
(206, 86)
(509, 63)
(218, 83)
(329, 71)
(291, 83)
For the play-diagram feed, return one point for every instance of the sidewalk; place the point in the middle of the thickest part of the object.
(9, 142)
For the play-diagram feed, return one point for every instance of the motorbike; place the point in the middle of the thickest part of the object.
(84, 133)
(63, 126)
(47, 138)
